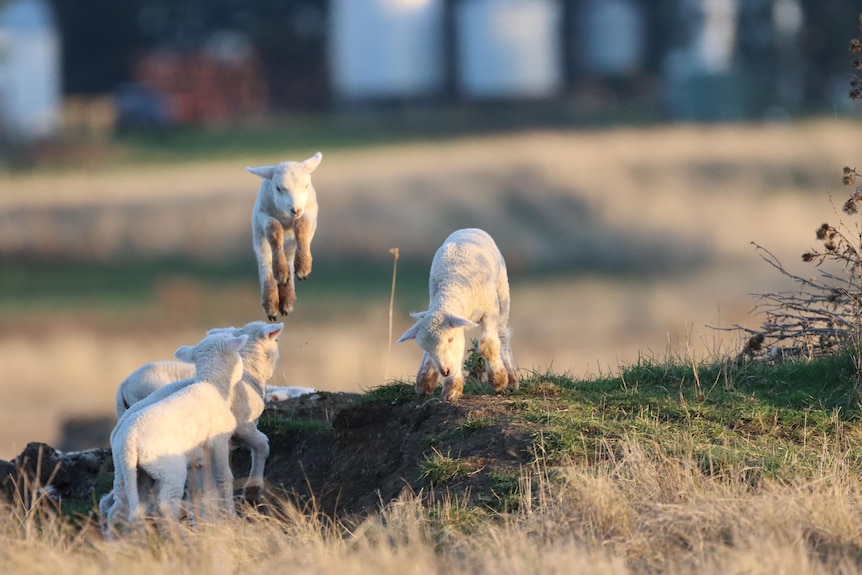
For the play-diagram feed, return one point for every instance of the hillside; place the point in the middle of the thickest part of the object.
(349, 455)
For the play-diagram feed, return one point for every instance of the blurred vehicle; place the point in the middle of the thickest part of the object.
(140, 107)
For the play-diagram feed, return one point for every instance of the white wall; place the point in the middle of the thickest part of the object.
(509, 48)
(30, 90)
(386, 48)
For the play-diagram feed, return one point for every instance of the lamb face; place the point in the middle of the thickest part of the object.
(441, 336)
(289, 185)
(260, 355)
(216, 358)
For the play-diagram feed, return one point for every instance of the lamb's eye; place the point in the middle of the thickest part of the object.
(451, 339)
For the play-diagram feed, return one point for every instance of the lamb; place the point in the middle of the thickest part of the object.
(259, 354)
(468, 287)
(275, 394)
(148, 378)
(283, 222)
(152, 376)
(154, 445)
(150, 383)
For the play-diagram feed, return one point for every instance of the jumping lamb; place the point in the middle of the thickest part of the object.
(283, 223)
(153, 446)
(468, 287)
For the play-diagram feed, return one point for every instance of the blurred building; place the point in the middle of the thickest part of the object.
(30, 87)
(386, 49)
(508, 49)
(614, 37)
(686, 59)
(219, 82)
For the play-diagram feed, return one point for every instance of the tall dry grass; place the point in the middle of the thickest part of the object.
(638, 511)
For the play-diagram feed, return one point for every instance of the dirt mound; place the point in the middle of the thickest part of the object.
(41, 469)
(365, 453)
(344, 454)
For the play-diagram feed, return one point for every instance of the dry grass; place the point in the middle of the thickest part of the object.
(647, 232)
(641, 511)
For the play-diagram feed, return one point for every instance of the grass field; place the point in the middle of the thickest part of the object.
(621, 243)
(665, 468)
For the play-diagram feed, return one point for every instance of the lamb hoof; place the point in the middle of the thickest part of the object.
(452, 391)
(271, 312)
(514, 384)
(302, 264)
(302, 272)
(498, 380)
(253, 495)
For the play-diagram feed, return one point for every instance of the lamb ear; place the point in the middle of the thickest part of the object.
(455, 321)
(274, 330)
(264, 172)
(418, 314)
(312, 162)
(185, 353)
(410, 333)
(235, 343)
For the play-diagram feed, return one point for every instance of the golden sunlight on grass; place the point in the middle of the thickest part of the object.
(640, 510)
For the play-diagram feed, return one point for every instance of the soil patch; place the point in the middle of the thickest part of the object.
(342, 454)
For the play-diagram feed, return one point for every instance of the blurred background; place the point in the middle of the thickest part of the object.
(623, 153)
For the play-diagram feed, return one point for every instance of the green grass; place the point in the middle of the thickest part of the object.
(70, 284)
(772, 418)
(392, 392)
(752, 422)
(35, 284)
(439, 468)
(472, 424)
(275, 424)
(302, 135)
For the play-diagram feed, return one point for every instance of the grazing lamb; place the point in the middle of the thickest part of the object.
(468, 284)
(283, 223)
(151, 382)
(154, 445)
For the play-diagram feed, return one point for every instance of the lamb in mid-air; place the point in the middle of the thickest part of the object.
(283, 223)
(468, 287)
(153, 447)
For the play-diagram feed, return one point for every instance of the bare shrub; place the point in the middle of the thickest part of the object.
(822, 316)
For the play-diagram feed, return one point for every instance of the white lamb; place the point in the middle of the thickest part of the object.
(147, 379)
(153, 381)
(468, 286)
(283, 223)
(154, 445)
(274, 394)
